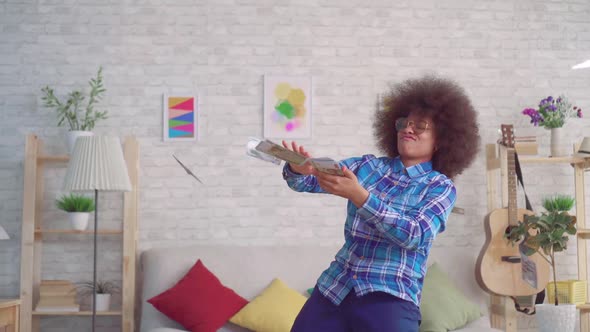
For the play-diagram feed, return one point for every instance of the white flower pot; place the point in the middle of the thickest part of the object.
(103, 302)
(79, 220)
(71, 137)
(558, 149)
(552, 318)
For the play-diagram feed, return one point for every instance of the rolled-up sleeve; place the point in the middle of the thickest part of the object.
(309, 183)
(301, 183)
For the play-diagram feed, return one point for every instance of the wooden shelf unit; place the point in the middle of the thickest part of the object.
(33, 232)
(503, 312)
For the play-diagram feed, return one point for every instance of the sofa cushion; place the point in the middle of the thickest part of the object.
(274, 310)
(199, 301)
(444, 307)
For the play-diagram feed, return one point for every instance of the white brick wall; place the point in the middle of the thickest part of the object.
(507, 54)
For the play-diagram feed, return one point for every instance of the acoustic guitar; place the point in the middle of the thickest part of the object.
(499, 268)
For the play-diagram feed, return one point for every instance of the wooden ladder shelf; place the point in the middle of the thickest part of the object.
(33, 231)
(503, 314)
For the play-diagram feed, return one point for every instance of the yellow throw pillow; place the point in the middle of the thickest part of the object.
(274, 310)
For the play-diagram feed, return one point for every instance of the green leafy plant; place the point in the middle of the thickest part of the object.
(72, 111)
(548, 233)
(75, 203)
(102, 287)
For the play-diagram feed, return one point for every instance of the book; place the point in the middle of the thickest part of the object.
(57, 301)
(57, 295)
(526, 148)
(66, 308)
(326, 165)
(56, 287)
(525, 138)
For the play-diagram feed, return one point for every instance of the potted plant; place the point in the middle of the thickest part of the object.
(548, 234)
(104, 289)
(78, 208)
(552, 114)
(79, 118)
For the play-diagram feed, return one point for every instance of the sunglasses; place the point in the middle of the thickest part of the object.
(418, 126)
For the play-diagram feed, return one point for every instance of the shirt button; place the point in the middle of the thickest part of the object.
(382, 195)
(354, 277)
(362, 257)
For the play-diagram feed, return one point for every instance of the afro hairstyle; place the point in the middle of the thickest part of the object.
(447, 104)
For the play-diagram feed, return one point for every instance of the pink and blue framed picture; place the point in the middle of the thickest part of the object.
(180, 118)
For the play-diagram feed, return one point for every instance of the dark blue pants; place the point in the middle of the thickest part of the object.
(374, 312)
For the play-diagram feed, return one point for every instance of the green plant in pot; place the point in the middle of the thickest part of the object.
(104, 290)
(78, 208)
(548, 234)
(78, 114)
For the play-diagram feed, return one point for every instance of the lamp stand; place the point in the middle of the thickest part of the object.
(94, 267)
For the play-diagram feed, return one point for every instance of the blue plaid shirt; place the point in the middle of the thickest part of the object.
(388, 239)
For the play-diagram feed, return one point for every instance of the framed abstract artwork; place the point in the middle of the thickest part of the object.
(287, 107)
(180, 118)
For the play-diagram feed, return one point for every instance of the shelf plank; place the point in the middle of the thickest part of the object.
(73, 231)
(583, 232)
(584, 307)
(550, 160)
(76, 313)
(52, 158)
(7, 303)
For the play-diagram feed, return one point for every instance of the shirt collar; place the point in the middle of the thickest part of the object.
(412, 171)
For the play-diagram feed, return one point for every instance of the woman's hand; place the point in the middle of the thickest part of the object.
(346, 186)
(305, 169)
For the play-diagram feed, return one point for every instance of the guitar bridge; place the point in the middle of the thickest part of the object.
(511, 259)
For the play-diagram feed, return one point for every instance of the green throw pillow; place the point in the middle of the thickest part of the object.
(310, 290)
(443, 306)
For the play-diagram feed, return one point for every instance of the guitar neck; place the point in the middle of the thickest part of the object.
(512, 208)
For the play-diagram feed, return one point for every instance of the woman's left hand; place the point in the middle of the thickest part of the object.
(346, 186)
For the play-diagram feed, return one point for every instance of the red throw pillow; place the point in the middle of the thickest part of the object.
(199, 301)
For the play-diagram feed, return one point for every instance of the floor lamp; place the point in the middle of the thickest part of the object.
(97, 164)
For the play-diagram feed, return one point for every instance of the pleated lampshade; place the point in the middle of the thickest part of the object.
(3, 234)
(97, 163)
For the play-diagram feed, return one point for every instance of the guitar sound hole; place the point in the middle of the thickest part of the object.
(509, 229)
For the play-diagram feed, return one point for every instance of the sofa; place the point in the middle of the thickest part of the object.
(249, 269)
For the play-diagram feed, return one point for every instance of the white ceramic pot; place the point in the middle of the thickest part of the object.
(552, 318)
(71, 137)
(103, 302)
(558, 149)
(79, 220)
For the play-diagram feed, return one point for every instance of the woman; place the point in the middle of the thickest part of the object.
(397, 205)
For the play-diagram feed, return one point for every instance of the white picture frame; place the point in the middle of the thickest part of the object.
(287, 107)
(180, 118)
